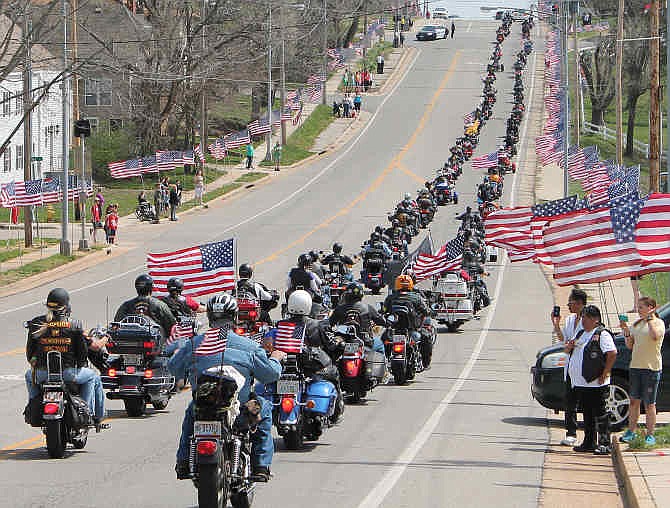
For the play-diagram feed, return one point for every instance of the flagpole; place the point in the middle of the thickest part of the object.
(566, 92)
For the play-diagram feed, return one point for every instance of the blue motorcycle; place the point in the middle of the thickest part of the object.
(303, 406)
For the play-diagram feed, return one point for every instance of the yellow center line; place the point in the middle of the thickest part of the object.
(12, 352)
(395, 162)
(411, 174)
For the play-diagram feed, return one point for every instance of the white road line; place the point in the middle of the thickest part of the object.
(267, 210)
(376, 496)
(469, 29)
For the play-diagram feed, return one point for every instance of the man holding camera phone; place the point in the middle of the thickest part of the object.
(571, 326)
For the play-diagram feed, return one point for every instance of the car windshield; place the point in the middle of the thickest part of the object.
(428, 29)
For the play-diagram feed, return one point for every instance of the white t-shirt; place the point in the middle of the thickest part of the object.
(569, 331)
(575, 365)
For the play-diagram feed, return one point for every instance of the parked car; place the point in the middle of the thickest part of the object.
(548, 386)
(431, 33)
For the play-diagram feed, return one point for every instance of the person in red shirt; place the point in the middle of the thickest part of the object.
(111, 224)
(95, 218)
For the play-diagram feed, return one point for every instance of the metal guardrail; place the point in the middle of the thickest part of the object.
(610, 134)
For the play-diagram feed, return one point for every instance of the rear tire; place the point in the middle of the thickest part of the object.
(211, 486)
(135, 407)
(375, 291)
(452, 327)
(293, 439)
(56, 439)
(399, 376)
(160, 404)
(242, 499)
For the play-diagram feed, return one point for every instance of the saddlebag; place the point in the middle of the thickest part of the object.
(78, 414)
(375, 365)
(33, 412)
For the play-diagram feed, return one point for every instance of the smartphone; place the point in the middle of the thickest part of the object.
(556, 312)
(623, 318)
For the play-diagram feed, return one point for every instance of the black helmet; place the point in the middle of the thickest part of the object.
(313, 256)
(174, 284)
(144, 284)
(58, 300)
(354, 292)
(245, 271)
(221, 306)
(379, 229)
(304, 260)
(375, 237)
(337, 248)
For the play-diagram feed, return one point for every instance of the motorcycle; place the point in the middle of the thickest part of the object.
(63, 416)
(335, 287)
(359, 373)
(145, 212)
(402, 351)
(249, 323)
(372, 274)
(452, 305)
(137, 373)
(220, 453)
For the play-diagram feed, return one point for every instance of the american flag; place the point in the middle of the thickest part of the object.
(218, 149)
(8, 194)
(449, 257)
(314, 93)
(598, 197)
(542, 215)
(214, 342)
(29, 193)
(51, 192)
(509, 228)
(597, 245)
(596, 178)
(74, 186)
(236, 139)
(315, 79)
(490, 160)
(290, 337)
(577, 161)
(287, 113)
(125, 169)
(293, 96)
(297, 116)
(469, 118)
(208, 268)
(181, 331)
(259, 127)
(276, 117)
(652, 233)
(197, 150)
(149, 164)
(187, 157)
(164, 160)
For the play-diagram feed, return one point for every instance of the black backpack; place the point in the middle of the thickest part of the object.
(593, 362)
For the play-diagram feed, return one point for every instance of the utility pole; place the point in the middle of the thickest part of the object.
(667, 96)
(268, 136)
(566, 91)
(203, 93)
(654, 95)
(619, 84)
(365, 28)
(283, 71)
(65, 248)
(324, 59)
(27, 127)
(575, 43)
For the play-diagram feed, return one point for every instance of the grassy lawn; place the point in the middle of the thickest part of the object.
(662, 435)
(250, 177)
(14, 248)
(39, 266)
(656, 285)
(299, 144)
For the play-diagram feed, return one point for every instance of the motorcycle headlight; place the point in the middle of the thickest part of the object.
(554, 360)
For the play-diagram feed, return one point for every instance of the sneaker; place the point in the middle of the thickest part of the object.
(584, 448)
(261, 474)
(650, 440)
(627, 436)
(99, 425)
(602, 450)
(569, 441)
(183, 471)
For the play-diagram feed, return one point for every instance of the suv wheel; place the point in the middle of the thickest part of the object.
(618, 403)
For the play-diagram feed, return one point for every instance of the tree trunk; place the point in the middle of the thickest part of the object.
(597, 116)
(351, 32)
(630, 129)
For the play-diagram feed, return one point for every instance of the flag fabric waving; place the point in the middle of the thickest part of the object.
(29, 193)
(652, 233)
(449, 257)
(205, 269)
(290, 337)
(125, 169)
(490, 160)
(214, 342)
(8, 195)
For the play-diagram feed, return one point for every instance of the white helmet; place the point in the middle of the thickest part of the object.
(299, 303)
(408, 196)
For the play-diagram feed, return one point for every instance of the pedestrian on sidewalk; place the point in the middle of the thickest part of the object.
(111, 225)
(96, 220)
(367, 80)
(158, 201)
(357, 102)
(571, 326)
(336, 109)
(644, 338)
(592, 393)
(198, 187)
(250, 155)
(346, 106)
(174, 201)
(276, 155)
(402, 40)
(453, 29)
(380, 64)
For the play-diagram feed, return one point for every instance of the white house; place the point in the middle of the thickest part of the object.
(47, 119)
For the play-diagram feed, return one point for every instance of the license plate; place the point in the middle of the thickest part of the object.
(351, 349)
(53, 396)
(207, 429)
(289, 387)
(133, 360)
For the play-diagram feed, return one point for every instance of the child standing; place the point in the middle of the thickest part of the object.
(111, 225)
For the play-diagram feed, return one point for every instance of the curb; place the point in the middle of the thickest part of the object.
(399, 68)
(636, 493)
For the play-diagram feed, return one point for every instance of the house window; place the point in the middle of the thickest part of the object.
(98, 92)
(8, 159)
(115, 124)
(19, 157)
(19, 105)
(6, 103)
(94, 125)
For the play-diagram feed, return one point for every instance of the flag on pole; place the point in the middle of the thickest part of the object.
(29, 193)
(51, 191)
(290, 337)
(490, 160)
(449, 257)
(197, 150)
(125, 169)
(214, 341)
(652, 233)
(8, 195)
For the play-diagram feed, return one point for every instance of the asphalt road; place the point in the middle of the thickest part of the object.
(465, 433)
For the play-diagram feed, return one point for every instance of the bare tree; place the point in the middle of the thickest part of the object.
(636, 72)
(598, 68)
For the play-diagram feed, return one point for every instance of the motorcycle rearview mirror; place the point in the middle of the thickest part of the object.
(26, 324)
(392, 318)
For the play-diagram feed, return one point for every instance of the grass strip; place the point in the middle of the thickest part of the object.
(39, 266)
(662, 435)
(14, 248)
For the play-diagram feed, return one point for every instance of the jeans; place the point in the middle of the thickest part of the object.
(378, 345)
(250, 159)
(90, 387)
(570, 409)
(173, 212)
(596, 419)
(262, 444)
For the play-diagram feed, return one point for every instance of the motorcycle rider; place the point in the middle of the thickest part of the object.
(247, 286)
(303, 276)
(339, 263)
(316, 266)
(251, 360)
(180, 306)
(364, 314)
(56, 331)
(147, 305)
(467, 218)
(405, 295)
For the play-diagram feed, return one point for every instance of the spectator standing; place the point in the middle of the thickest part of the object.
(645, 338)
(174, 201)
(250, 155)
(276, 155)
(592, 394)
(402, 40)
(101, 201)
(336, 110)
(345, 106)
(158, 200)
(572, 325)
(357, 102)
(198, 186)
(96, 219)
(366, 80)
(111, 225)
(453, 29)
(380, 64)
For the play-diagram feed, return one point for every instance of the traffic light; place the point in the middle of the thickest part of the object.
(82, 128)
